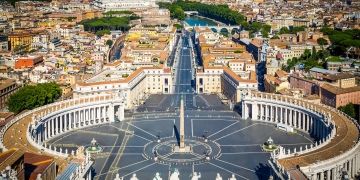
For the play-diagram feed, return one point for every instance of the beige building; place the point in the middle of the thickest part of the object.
(341, 80)
(148, 45)
(277, 82)
(153, 17)
(134, 86)
(228, 69)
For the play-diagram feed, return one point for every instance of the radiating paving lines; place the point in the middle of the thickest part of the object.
(220, 167)
(235, 132)
(117, 169)
(142, 130)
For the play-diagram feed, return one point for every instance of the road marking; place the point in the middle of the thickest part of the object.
(224, 128)
(241, 167)
(245, 153)
(212, 119)
(235, 132)
(122, 167)
(140, 129)
(142, 137)
(153, 120)
(240, 145)
(108, 156)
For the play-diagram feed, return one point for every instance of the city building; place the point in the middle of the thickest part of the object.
(335, 96)
(277, 82)
(7, 87)
(155, 17)
(27, 165)
(5, 117)
(133, 86)
(20, 41)
(228, 69)
(28, 62)
(148, 46)
(124, 5)
(307, 86)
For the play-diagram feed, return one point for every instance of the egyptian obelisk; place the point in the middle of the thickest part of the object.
(182, 130)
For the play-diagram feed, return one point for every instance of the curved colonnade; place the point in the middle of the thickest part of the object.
(76, 116)
(47, 122)
(336, 151)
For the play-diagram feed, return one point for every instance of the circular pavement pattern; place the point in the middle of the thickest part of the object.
(163, 151)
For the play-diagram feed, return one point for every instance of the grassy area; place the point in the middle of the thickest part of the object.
(334, 59)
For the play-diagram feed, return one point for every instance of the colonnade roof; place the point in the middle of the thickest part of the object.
(347, 135)
(15, 137)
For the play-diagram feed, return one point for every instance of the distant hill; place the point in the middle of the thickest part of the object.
(12, 2)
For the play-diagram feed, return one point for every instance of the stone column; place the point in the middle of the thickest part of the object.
(67, 121)
(302, 120)
(93, 114)
(315, 127)
(48, 128)
(276, 114)
(267, 112)
(307, 123)
(111, 113)
(298, 119)
(261, 112)
(61, 123)
(52, 127)
(96, 113)
(254, 111)
(122, 112)
(321, 175)
(56, 124)
(82, 117)
(286, 116)
(103, 112)
(357, 162)
(313, 177)
(352, 164)
(72, 120)
(45, 130)
(76, 119)
(291, 117)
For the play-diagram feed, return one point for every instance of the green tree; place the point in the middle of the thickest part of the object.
(313, 53)
(284, 30)
(348, 109)
(109, 42)
(322, 42)
(179, 14)
(30, 96)
(102, 32)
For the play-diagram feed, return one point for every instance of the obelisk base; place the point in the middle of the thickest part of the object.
(185, 149)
